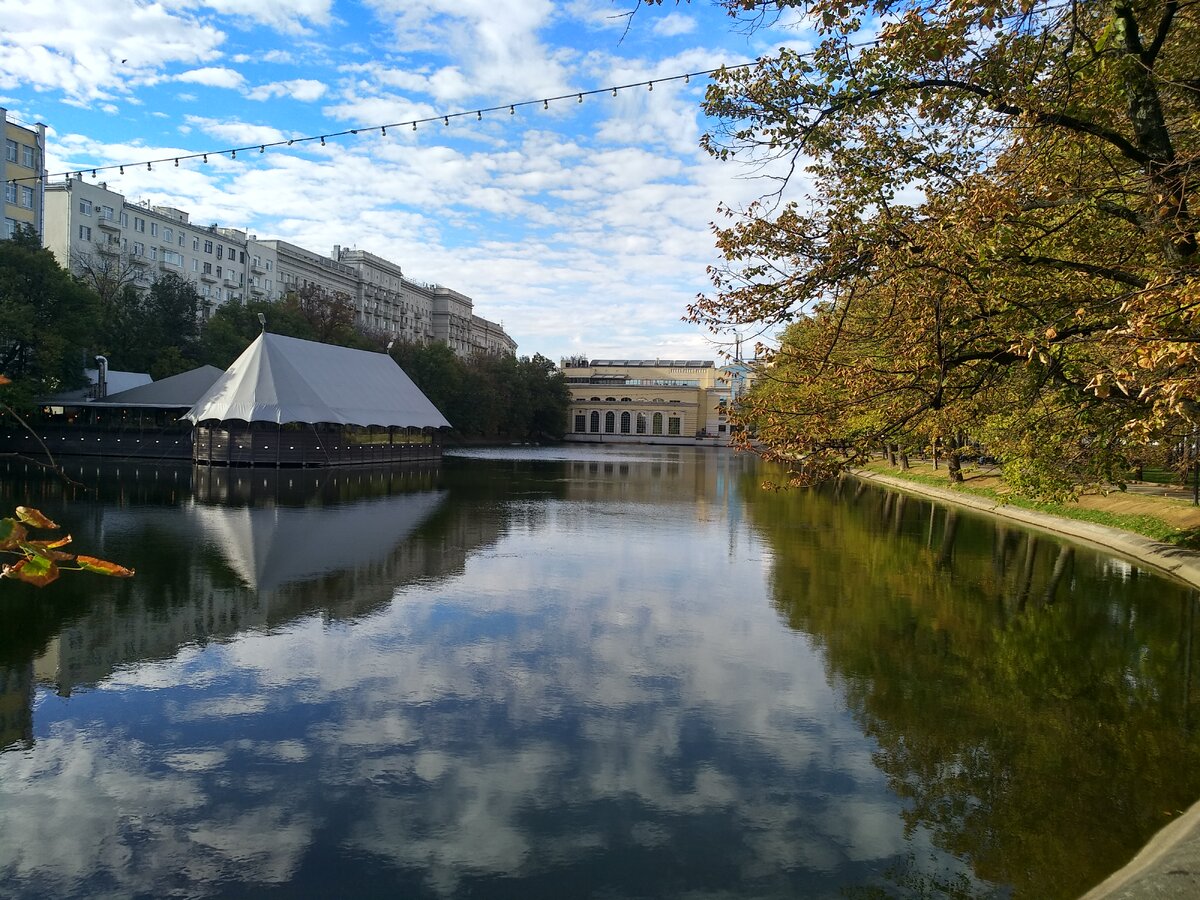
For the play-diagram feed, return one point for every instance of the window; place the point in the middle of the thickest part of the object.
(85, 233)
(168, 235)
(10, 228)
(641, 423)
(153, 229)
(673, 425)
(139, 249)
(269, 266)
(10, 192)
(610, 422)
(181, 239)
(10, 151)
(195, 243)
(220, 251)
(218, 271)
(85, 207)
(107, 213)
(208, 268)
(595, 423)
(656, 424)
(139, 224)
(27, 156)
(208, 246)
(124, 219)
(195, 265)
(153, 252)
(624, 423)
(241, 256)
(27, 197)
(172, 258)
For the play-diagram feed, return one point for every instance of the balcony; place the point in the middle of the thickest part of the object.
(139, 260)
(109, 224)
(231, 282)
(257, 268)
(209, 277)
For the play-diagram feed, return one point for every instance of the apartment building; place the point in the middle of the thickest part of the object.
(88, 226)
(22, 172)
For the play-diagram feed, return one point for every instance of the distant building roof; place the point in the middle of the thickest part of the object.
(113, 380)
(282, 379)
(182, 390)
(654, 363)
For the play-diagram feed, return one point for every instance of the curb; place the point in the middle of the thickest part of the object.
(1168, 866)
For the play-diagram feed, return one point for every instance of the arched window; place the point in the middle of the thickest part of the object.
(610, 422)
(641, 423)
(595, 399)
(626, 399)
(656, 427)
(611, 399)
(595, 424)
(624, 423)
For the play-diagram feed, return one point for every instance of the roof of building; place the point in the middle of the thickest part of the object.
(114, 381)
(283, 379)
(181, 390)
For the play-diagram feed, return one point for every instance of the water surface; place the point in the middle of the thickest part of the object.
(578, 672)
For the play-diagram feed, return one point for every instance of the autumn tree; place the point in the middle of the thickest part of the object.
(998, 203)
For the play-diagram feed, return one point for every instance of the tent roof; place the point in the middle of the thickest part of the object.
(283, 379)
(179, 390)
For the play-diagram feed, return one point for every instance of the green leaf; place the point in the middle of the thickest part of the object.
(103, 567)
(12, 533)
(34, 517)
(36, 570)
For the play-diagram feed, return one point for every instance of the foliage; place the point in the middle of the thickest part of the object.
(998, 235)
(490, 396)
(41, 561)
(46, 319)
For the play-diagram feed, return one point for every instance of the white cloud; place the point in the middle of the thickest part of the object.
(674, 24)
(236, 133)
(213, 76)
(303, 89)
(286, 16)
(90, 51)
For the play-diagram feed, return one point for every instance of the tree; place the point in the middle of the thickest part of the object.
(47, 321)
(1001, 205)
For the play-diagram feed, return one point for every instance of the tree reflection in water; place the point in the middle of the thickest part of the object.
(1036, 713)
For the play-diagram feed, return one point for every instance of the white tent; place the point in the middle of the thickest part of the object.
(282, 379)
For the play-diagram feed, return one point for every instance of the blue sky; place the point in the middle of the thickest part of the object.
(584, 228)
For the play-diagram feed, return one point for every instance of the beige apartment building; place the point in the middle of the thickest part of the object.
(23, 173)
(88, 225)
(654, 401)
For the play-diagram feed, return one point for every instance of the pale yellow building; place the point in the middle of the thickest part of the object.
(22, 171)
(651, 401)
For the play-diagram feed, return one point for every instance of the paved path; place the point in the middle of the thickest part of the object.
(1168, 867)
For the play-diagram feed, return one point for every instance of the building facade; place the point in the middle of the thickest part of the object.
(647, 400)
(23, 174)
(94, 230)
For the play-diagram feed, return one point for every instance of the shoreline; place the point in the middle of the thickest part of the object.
(1168, 865)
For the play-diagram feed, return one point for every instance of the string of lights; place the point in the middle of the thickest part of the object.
(412, 124)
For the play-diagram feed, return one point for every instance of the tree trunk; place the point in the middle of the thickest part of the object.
(953, 462)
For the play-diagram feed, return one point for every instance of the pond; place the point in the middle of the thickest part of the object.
(577, 672)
